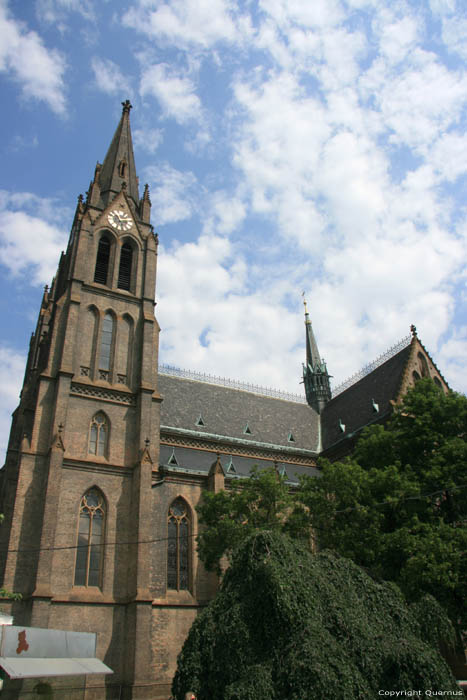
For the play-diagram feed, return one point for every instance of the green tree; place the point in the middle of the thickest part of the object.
(262, 502)
(290, 624)
(398, 506)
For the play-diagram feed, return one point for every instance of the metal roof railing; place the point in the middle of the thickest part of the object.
(231, 383)
(372, 366)
(277, 393)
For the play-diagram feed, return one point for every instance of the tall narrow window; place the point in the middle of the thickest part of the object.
(90, 550)
(124, 271)
(102, 261)
(98, 435)
(423, 364)
(106, 344)
(178, 550)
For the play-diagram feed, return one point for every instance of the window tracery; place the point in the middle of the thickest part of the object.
(90, 550)
(98, 435)
(178, 550)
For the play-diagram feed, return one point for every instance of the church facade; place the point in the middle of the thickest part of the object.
(110, 454)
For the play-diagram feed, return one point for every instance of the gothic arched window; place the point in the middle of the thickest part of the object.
(98, 435)
(423, 365)
(178, 549)
(106, 345)
(102, 261)
(90, 550)
(124, 270)
(438, 383)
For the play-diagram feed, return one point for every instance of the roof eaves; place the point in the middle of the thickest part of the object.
(235, 440)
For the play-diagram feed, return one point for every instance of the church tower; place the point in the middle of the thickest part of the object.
(85, 435)
(315, 373)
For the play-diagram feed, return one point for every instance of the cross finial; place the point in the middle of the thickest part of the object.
(304, 303)
(413, 330)
(126, 106)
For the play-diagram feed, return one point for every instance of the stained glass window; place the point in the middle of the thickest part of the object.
(178, 548)
(106, 342)
(90, 551)
(98, 435)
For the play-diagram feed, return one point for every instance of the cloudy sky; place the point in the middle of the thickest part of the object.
(289, 145)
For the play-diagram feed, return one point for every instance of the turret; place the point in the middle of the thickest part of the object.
(315, 373)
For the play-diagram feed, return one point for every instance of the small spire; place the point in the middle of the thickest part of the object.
(315, 373)
(119, 163)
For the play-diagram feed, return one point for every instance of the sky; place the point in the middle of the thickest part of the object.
(290, 146)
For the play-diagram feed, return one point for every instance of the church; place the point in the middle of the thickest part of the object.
(110, 453)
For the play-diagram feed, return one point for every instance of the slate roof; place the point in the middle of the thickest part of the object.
(226, 412)
(354, 407)
(186, 459)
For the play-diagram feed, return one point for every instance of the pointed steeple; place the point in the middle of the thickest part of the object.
(315, 373)
(118, 169)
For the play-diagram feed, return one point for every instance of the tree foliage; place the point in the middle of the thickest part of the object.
(399, 505)
(289, 624)
(262, 502)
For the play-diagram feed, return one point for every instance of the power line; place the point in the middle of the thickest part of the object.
(406, 498)
(195, 534)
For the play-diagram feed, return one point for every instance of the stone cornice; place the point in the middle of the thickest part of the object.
(179, 437)
(102, 393)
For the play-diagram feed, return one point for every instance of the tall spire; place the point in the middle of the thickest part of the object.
(315, 373)
(118, 170)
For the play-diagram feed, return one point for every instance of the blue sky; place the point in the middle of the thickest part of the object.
(289, 145)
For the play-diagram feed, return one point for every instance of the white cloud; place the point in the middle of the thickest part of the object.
(31, 237)
(397, 34)
(454, 35)
(175, 93)
(451, 358)
(25, 59)
(12, 366)
(209, 320)
(148, 140)
(55, 11)
(109, 77)
(280, 164)
(321, 14)
(185, 23)
(418, 102)
(226, 213)
(171, 193)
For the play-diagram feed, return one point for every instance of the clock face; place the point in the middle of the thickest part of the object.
(120, 220)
